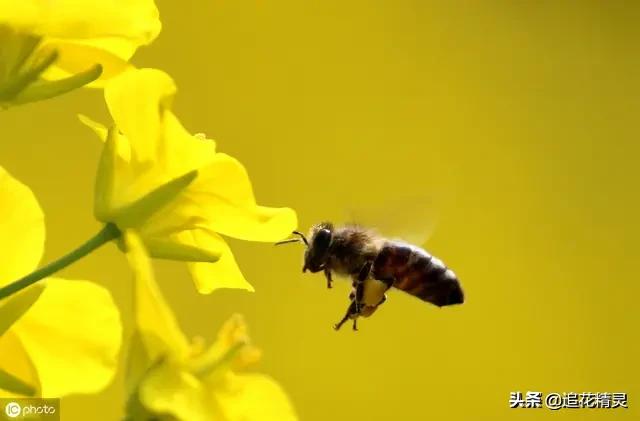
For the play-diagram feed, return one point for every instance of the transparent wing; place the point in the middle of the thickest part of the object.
(409, 218)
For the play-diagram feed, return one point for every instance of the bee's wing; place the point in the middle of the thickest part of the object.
(412, 219)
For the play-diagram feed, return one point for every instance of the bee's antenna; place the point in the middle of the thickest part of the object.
(294, 240)
(306, 243)
(290, 240)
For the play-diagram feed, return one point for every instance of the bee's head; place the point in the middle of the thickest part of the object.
(315, 256)
(318, 249)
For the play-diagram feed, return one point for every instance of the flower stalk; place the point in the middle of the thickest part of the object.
(107, 233)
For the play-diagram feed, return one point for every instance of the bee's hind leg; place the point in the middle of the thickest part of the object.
(357, 293)
(351, 311)
(338, 325)
(358, 287)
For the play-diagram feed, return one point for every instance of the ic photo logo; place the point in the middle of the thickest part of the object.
(12, 409)
(31, 408)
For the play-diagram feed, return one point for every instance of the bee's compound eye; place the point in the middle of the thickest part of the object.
(318, 250)
(322, 239)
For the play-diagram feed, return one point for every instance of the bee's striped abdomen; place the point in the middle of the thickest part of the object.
(416, 272)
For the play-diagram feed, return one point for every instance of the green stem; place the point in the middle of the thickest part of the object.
(107, 233)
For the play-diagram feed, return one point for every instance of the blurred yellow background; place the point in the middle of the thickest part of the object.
(524, 114)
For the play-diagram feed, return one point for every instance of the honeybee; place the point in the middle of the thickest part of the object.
(375, 264)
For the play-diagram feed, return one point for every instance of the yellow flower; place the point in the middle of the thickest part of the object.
(56, 337)
(169, 378)
(173, 188)
(51, 47)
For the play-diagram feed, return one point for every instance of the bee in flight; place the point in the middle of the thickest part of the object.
(376, 264)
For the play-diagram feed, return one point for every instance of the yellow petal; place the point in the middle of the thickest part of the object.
(235, 331)
(224, 190)
(76, 57)
(231, 350)
(161, 248)
(254, 397)
(177, 232)
(97, 128)
(72, 335)
(181, 150)
(137, 101)
(135, 20)
(86, 32)
(21, 229)
(138, 362)
(169, 390)
(15, 361)
(224, 273)
(155, 321)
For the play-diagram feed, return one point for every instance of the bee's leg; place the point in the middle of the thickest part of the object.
(338, 325)
(364, 272)
(350, 312)
(357, 296)
(327, 273)
(358, 284)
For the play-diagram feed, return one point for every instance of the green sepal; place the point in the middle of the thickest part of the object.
(141, 210)
(15, 49)
(105, 178)
(12, 308)
(45, 89)
(19, 82)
